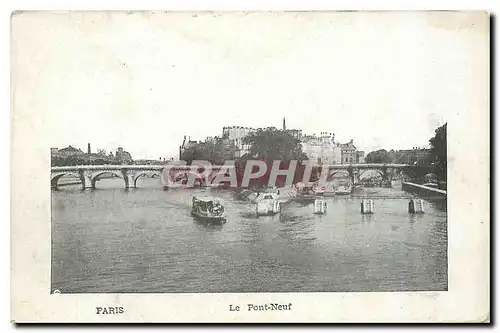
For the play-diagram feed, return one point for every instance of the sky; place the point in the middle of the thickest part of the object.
(142, 81)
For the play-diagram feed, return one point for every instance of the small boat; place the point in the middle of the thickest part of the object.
(305, 192)
(257, 197)
(329, 190)
(343, 190)
(319, 190)
(268, 204)
(433, 185)
(208, 209)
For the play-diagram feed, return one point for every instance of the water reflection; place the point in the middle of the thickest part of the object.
(207, 224)
(367, 218)
(412, 218)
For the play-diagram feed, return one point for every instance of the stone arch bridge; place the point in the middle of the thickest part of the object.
(388, 171)
(90, 174)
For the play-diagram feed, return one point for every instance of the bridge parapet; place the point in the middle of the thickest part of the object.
(90, 174)
(366, 165)
(106, 167)
(355, 171)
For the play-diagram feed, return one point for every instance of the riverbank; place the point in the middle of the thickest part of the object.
(422, 190)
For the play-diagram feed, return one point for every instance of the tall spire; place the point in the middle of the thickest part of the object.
(284, 124)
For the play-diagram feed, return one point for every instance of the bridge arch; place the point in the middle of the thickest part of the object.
(144, 174)
(362, 171)
(89, 174)
(54, 179)
(95, 177)
(338, 171)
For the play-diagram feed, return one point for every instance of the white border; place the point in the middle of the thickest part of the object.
(6, 9)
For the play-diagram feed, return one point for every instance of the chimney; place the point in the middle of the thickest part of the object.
(284, 124)
(88, 148)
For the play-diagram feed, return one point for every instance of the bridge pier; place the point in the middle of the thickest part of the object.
(129, 181)
(355, 177)
(86, 178)
(129, 176)
(387, 176)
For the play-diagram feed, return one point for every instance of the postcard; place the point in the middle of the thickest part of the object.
(250, 167)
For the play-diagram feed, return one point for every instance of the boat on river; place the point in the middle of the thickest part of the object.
(319, 190)
(329, 190)
(208, 209)
(269, 204)
(305, 192)
(343, 189)
(257, 197)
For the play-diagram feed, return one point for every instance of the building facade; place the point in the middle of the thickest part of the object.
(122, 156)
(321, 149)
(74, 156)
(360, 156)
(297, 134)
(236, 135)
(348, 153)
(66, 152)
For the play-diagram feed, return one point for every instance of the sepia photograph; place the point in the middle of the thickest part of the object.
(261, 153)
(349, 223)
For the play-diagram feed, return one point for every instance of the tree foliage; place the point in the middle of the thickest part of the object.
(379, 156)
(84, 159)
(438, 152)
(215, 152)
(271, 144)
(68, 161)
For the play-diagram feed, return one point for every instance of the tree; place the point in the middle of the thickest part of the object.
(438, 154)
(379, 156)
(215, 152)
(271, 144)
(68, 160)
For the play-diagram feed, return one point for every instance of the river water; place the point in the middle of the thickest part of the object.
(145, 240)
